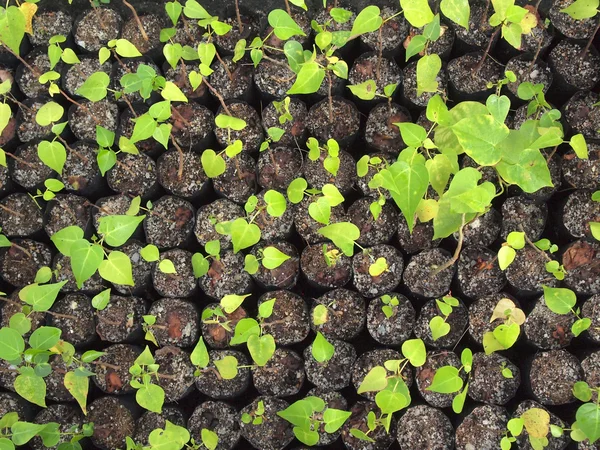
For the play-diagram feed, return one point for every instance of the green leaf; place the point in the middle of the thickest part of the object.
(213, 164)
(85, 260)
(261, 348)
(227, 367)
(298, 413)
(320, 210)
(53, 154)
(582, 391)
(231, 302)
(428, 68)
(64, 239)
(143, 129)
(126, 49)
(364, 91)
(44, 338)
(265, 309)
(78, 387)
(507, 335)
(479, 135)
(171, 438)
(516, 239)
(375, 380)
(243, 330)
(150, 253)
(41, 297)
(559, 300)
(151, 397)
(506, 256)
(446, 380)
(32, 388)
(12, 344)
(457, 10)
(200, 265)
(210, 439)
(417, 12)
(588, 419)
(412, 134)
(458, 402)
(306, 436)
(343, 235)
(511, 33)
(20, 323)
(295, 190)
(294, 52)
(395, 397)
(415, 46)
(199, 356)
(167, 266)
(23, 432)
(530, 171)
(309, 79)
(582, 9)
(95, 87)
(360, 435)
(273, 258)
(117, 229)
(334, 419)
(414, 350)
(322, 350)
(407, 184)
(12, 27)
(283, 25)
(49, 113)
(194, 10)
(106, 160)
(101, 300)
(174, 10)
(173, 93)
(498, 106)
(579, 145)
(580, 326)
(438, 327)
(243, 234)
(116, 269)
(595, 230)
(276, 203)
(367, 21)
(340, 15)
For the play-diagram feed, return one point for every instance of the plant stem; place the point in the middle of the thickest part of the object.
(589, 42)
(24, 250)
(10, 211)
(238, 16)
(180, 151)
(459, 245)
(487, 51)
(20, 160)
(137, 19)
(219, 96)
(287, 7)
(380, 53)
(75, 152)
(330, 98)
(229, 74)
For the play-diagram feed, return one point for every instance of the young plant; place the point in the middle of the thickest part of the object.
(174, 437)
(213, 163)
(536, 422)
(580, 10)
(516, 240)
(331, 256)
(310, 415)
(389, 305)
(321, 349)
(201, 263)
(255, 417)
(270, 257)
(506, 334)
(447, 380)
(261, 345)
(438, 325)
(564, 301)
(148, 395)
(389, 383)
(226, 368)
(587, 417)
(328, 154)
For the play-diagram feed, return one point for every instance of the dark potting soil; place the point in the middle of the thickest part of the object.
(483, 231)
(462, 75)
(66, 210)
(334, 374)
(581, 114)
(46, 24)
(218, 417)
(238, 182)
(528, 271)
(580, 71)
(391, 35)
(480, 31)
(207, 216)
(277, 167)
(339, 120)
(289, 321)
(581, 261)
(334, 400)
(133, 174)
(180, 77)
(442, 46)
(282, 376)
(20, 215)
(225, 276)
(360, 411)
(554, 442)
(273, 228)
(373, 231)
(307, 227)
(316, 269)
(84, 119)
(370, 66)
(74, 314)
(488, 383)
(62, 266)
(273, 433)
(484, 428)
(381, 133)
(409, 88)
(232, 80)
(112, 369)
(317, 176)
(274, 78)
(177, 322)
(480, 314)
(579, 210)
(20, 262)
(151, 24)
(591, 310)
(66, 415)
(192, 180)
(170, 222)
(458, 321)
(252, 134)
(528, 71)
(552, 376)
(193, 125)
(96, 27)
(81, 173)
(176, 373)
(74, 76)
(425, 373)
(478, 273)
(546, 329)
(396, 328)
(370, 285)
(285, 275)
(523, 215)
(182, 283)
(121, 320)
(421, 238)
(345, 315)
(150, 421)
(113, 422)
(423, 276)
(29, 130)
(571, 28)
(423, 427)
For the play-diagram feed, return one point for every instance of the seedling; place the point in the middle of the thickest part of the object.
(148, 395)
(438, 325)
(506, 372)
(14, 432)
(213, 163)
(587, 417)
(536, 422)
(250, 331)
(331, 256)
(226, 368)
(201, 263)
(322, 312)
(390, 305)
(272, 205)
(447, 380)
(283, 109)
(516, 240)
(255, 417)
(506, 334)
(175, 437)
(310, 415)
(418, 44)
(378, 267)
(52, 186)
(271, 258)
(389, 383)
(328, 153)
(148, 325)
(509, 77)
(322, 350)
(564, 301)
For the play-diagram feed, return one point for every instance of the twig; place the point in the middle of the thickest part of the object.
(219, 96)
(137, 19)
(459, 245)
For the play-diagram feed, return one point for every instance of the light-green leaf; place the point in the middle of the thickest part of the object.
(12, 344)
(85, 260)
(50, 112)
(283, 25)
(95, 87)
(446, 380)
(428, 68)
(117, 269)
(368, 20)
(309, 79)
(559, 300)
(457, 10)
(343, 235)
(117, 229)
(417, 12)
(173, 93)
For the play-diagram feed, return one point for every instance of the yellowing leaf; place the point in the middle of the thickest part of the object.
(28, 10)
(537, 422)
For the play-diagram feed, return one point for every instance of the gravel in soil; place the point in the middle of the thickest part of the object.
(482, 429)
(373, 231)
(282, 375)
(66, 210)
(381, 133)
(231, 80)
(121, 319)
(218, 417)
(74, 76)
(391, 36)
(423, 277)
(192, 179)
(218, 330)
(591, 310)
(112, 369)
(334, 374)
(333, 400)
(316, 269)
(273, 228)
(341, 123)
(480, 313)
(61, 266)
(273, 433)
(317, 176)
(442, 46)
(133, 174)
(110, 206)
(277, 167)
(358, 420)
(579, 210)
(482, 231)
(252, 134)
(19, 215)
(567, 61)
(478, 273)
(289, 321)
(487, 381)
(74, 315)
(177, 322)
(307, 227)
(180, 75)
(423, 428)
(463, 78)
(582, 173)
(176, 373)
(27, 80)
(29, 171)
(225, 277)
(274, 78)
(68, 419)
(552, 376)
(554, 443)
(285, 275)
(152, 24)
(523, 214)
(210, 383)
(581, 260)
(182, 283)
(46, 24)
(84, 119)
(345, 316)
(372, 286)
(528, 271)
(170, 222)
(582, 116)
(374, 358)
(369, 66)
(193, 125)
(569, 27)
(479, 32)
(113, 422)
(527, 71)
(94, 28)
(409, 88)
(396, 328)
(80, 173)
(238, 182)
(221, 210)
(20, 262)
(458, 321)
